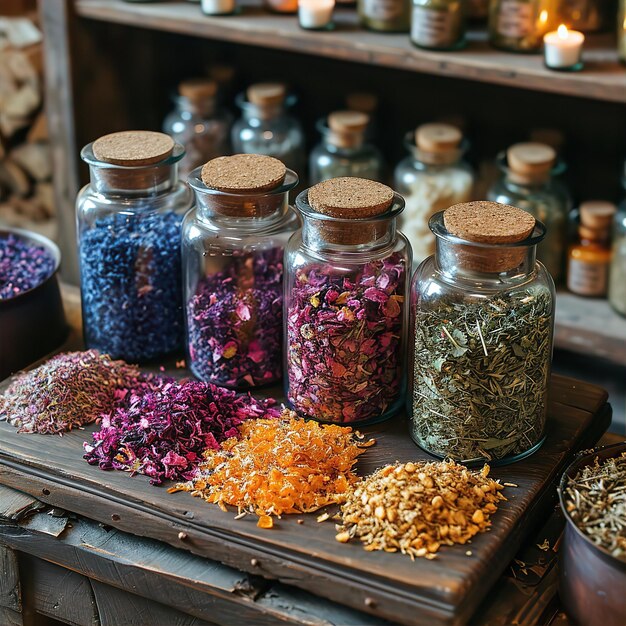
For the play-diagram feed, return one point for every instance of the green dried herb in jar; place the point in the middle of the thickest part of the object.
(482, 322)
(438, 24)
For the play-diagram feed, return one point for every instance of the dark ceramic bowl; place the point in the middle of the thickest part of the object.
(32, 324)
(592, 582)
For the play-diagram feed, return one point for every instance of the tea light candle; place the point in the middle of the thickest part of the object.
(218, 7)
(563, 49)
(315, 14)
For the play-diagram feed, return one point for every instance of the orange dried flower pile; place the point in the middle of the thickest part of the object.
(285, 465)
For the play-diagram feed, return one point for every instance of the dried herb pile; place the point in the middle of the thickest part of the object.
(69, 391)
(23, 266)
(596, 502)
(235, 322)
(286, 465)
(344, 329)
(415, 508)
(163, 432)
(481, 373)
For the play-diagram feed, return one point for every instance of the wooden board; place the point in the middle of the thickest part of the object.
(391, 586)
(602, 78)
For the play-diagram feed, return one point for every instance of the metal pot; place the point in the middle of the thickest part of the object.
(32, 324)
(592, 582)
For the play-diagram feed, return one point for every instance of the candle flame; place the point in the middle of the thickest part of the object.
(543, 17)
(562, 31)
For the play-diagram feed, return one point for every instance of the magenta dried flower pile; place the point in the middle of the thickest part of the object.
(163, 432)
(235, 322)
(23, 266)
(68, 391)
(344, 340)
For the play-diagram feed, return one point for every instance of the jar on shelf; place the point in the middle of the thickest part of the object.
(345, 303)
(233, 243)
(529, 180)
(519, 25)
(433, 177)
(482, 317)
(344, 150)
(393, 16)
(438, 24)
(198, 123)
(617, 273)
(621, 31)
(128, 224)
(281, 6)
(266, 128)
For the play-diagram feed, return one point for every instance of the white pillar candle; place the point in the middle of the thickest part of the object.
(563, 48)
(315, 13)
(218, 7)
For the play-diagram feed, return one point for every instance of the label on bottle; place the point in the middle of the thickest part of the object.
(515, 19)
(587, 279)
(431, 28)
(383, 9)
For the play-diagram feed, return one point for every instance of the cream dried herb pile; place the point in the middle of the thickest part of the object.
(415, 508)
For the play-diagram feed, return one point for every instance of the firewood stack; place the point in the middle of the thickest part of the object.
(26, 193)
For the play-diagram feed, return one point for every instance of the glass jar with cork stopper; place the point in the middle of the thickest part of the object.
(198, 123)
(433, 177)
(344, 150)
(391, 16)
(345, 303)
(530, 181)
(233, 244)
(128, 225)
(482, 317)
(266, 128)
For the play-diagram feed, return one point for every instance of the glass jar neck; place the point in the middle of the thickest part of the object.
(425, 160)
(203, 108)
(254, 112)
(527, 183)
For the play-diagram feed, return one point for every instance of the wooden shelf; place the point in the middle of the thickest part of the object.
(602, 79)
(589, 326)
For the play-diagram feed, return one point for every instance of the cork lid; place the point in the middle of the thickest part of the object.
(198, 89)
(438, 137)
(485, 222)
(362, 101)
(531, 160)
(266, 94)
(241, 173)
(133, 148)
(597, 214)
(348, 121)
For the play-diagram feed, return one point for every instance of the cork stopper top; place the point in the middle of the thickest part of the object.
(488, 222)
(348, 121)
(438, 137)
(198, 89)
(362, 101)
(350, 198)
(242, 173)
(266, 94)
(531, 159)
(597, 214)
(133, 148)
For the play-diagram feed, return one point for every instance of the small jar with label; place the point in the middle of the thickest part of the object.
(529, 181)
(438, 24)
(434, 177)
(519, 25)
(232, 245)
(589, 258)
(198, 123)
(482, 319)
(344, 150)
(129, 233)
(346, 274)
(392, 16)
(617, 273)
(266, 128)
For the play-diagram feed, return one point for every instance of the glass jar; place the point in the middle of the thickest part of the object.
(519, 25)
(621, 31)
(345, 310)
(540, 192)
(617, 273)
(432, 178)
(482, 318)
(438, 24)
(281, 6)
(128, 225)
(344, 150)
(386, 15)
(233, 282)
(266, 128)
(198, 124)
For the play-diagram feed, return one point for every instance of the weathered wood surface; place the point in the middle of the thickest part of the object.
(10, 589)
(447, 590)
(602, 79)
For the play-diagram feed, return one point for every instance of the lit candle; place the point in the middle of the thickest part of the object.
(563, 49)
(218, 7)
(315, 14)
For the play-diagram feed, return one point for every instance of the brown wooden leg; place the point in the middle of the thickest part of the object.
(10, 591)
